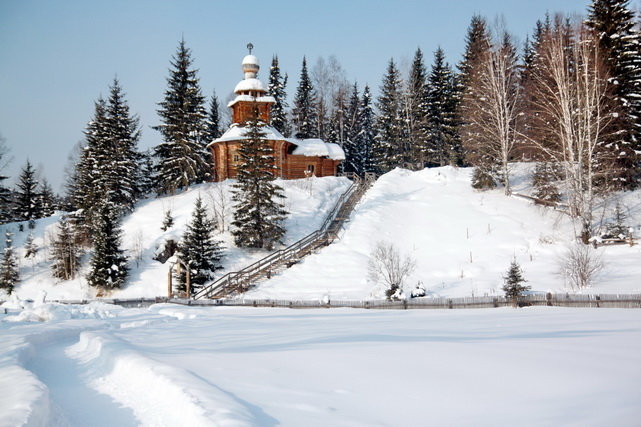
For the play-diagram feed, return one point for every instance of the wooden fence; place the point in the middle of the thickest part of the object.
(549, 299)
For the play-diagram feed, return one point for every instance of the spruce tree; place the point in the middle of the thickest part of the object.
(258, 213)
(9, 272)
(198, 249)
(5, 208)
(389, 148)
(513, 286)
(121, 161)
(366, 135)
(213, 128)
(27, 207)
(277, 85)
(30, 248)
(544, 180)
(167, 221)
(617, 229)
(147, 183)
(181, 161)
(417, 110)
(47, 199)
(614, 24)
(108, 267)
(353, 159)
(65, 252)
(305, 111)
(443, 145)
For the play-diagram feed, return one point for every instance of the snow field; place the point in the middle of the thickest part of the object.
(175, 365)
(462, 240)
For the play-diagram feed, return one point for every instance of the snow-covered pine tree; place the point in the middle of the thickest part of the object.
(87, 185)
(277, 85)
(613, 22)
(30, 248)
(513, 285)
(353, 159)
(617, 229)
(544, 180)
(258, 213)
(367, 133)
(389, 148)
(147, 183)
(47, 199)
(27, 205)
(416, 110)
(9, 273)
(180, 155)
(304, 112)
(167, 221)
(213, 130)
(5, 208)
(108, 267)
(65, 252)
(199, 250)
(120, 163)
(443, 146)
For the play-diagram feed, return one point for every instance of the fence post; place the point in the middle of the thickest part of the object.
(449, 303)
(548, 299)
(598, 298)
(405, 304)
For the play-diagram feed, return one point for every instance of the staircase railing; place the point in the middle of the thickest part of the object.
(242, 279)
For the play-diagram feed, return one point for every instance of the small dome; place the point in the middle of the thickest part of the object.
(250, 60)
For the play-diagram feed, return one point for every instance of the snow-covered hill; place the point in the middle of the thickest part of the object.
(463, 241)
(307, 200)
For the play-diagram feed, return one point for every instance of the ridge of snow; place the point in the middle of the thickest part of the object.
(249, 98)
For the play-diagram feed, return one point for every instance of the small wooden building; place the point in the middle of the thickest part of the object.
(294, 158)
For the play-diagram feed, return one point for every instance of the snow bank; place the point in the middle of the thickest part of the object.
(154, 390)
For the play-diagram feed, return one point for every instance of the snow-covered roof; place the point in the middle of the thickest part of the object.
(236, 132)
(250, 59)
(250, 98)
(250, 84)
(304, 147)
(317, 148)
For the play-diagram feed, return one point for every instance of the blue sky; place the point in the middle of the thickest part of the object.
(57, 57)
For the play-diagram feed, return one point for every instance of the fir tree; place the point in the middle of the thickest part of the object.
(617, 229)
(65, 252)
(9, 273)
(277, 85)
(47, 199)
(181, 161)
(366, 135)
(258, 214)
(108, 268)
(544, 180)
(168, 221)
(213, 128)
(305, 112)
(353, 159)
(27, 205)
(30, 248)
(389, 149)
(417, 110)
(198, 249)
(513, 286)
(109, 167)
(5, 208)
(121, 161)
(147, 183)
(614, 26)
(443, 146)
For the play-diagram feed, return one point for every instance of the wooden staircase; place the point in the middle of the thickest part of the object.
(240, 281)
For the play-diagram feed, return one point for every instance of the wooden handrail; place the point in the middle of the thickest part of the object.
(347, 200)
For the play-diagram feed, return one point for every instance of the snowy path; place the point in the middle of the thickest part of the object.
(72, 401)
